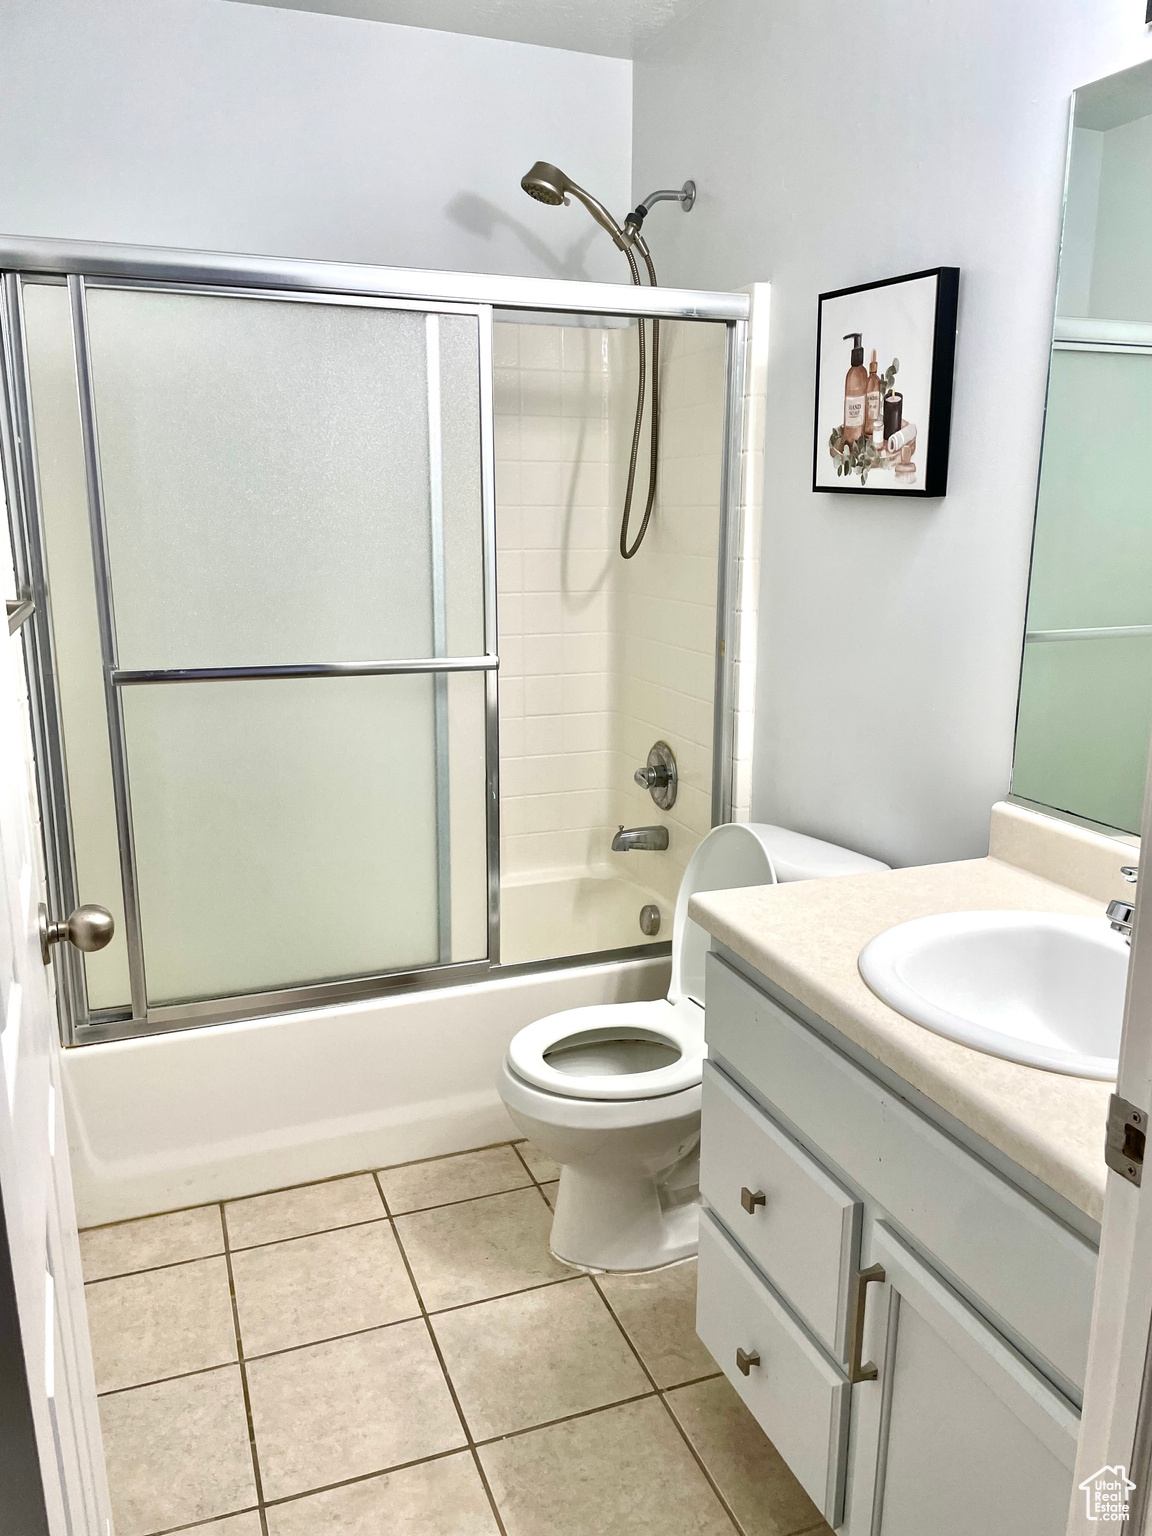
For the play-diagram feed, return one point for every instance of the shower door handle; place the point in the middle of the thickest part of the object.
(89, 928)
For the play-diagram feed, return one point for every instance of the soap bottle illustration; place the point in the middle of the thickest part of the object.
(873, 407)
(855, 391)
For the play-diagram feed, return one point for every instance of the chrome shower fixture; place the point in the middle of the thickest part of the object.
(686, 197)
(550, 185)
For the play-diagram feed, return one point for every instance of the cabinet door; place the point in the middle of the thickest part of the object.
(972, 1439)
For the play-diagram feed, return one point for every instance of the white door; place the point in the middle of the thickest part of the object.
(973, 1442)
(35, 1181)
(1116, 1438)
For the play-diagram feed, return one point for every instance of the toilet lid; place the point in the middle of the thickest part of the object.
(613, 1050)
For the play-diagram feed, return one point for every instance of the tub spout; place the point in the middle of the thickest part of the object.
(648, 839)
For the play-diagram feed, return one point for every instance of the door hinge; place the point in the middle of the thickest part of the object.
(1124, 1145)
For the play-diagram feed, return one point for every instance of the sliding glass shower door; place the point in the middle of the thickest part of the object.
(267, 534)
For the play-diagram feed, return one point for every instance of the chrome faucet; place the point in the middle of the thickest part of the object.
(1121, 913)
(646, 839)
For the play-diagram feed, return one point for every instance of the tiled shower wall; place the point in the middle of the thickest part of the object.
(601, 657)
(553, 410)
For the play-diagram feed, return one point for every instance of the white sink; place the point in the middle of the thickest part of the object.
(1033, 987)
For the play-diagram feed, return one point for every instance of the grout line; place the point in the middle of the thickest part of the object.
(158, 1381)
(442, 1205)
(476, 1462)
(149, 1269)
(667, 1409)
(244, 1379)
(567, 1418)
(363, 1477)
(198, 1525)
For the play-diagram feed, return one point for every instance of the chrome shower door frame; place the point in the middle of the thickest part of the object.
(83, 266)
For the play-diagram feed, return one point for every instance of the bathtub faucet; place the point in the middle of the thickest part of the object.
(646, 839)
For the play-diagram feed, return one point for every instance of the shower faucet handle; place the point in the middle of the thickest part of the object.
(652, 778)
(658, 775)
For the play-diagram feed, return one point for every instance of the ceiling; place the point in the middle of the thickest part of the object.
(1116, 100)
(613, 27)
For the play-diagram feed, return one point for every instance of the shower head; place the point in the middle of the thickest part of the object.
(548, 184)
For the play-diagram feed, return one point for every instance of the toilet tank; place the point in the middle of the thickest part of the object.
(742, 854)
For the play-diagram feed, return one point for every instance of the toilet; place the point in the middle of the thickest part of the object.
(612, 1092)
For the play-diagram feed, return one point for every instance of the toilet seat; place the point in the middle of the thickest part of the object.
(680, 1025)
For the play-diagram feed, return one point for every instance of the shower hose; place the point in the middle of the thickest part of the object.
(628, 550)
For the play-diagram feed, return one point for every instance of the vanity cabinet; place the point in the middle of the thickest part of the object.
(908, 1325)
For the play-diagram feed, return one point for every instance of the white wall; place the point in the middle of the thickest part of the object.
(831, 152)
(205, 124)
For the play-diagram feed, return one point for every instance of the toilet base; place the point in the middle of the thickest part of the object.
(613, 1224)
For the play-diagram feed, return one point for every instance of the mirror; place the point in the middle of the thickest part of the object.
(1086, 682)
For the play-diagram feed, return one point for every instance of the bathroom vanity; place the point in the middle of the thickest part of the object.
(899, 1237)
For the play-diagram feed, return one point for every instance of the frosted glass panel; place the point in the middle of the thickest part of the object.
(286, 831)
(266, 474)
(1085, 719)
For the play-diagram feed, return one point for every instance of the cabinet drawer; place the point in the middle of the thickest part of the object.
(803, 1229)
(795, 1394)
(1034, 1275)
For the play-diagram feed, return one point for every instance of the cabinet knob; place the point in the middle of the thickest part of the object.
(745, 1362)
(750, 1199)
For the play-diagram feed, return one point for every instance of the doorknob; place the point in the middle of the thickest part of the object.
(89, 928)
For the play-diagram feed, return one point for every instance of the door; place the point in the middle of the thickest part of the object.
(264, 523)
(57, 1484)
(971, 1438)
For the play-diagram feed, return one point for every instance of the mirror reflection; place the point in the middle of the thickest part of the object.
(1086, 684)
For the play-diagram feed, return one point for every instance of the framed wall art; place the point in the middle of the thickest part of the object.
(884, 359)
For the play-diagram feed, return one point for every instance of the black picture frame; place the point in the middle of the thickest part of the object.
(931, 479)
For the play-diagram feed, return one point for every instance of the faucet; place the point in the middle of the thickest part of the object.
(1121, 913)
(648, 839)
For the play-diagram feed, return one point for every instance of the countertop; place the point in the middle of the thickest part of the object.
(806, 936)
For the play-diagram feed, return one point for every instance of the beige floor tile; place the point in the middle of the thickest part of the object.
(536, 1356)
(354, 1406)
(418, 1185)
(234, 1525)
(658, 1311)
(312, 1288)
(151, 1241)
(297, 1212)
(178, 1452)
(463, 1253)
(748, 1469)
(549, 1192)
(437, 1498)
(625, 1471)
(164, 1322)
(542, 1166)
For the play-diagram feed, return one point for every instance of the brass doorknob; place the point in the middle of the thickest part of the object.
(89, 928)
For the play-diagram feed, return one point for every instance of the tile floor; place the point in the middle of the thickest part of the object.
(398, 1354)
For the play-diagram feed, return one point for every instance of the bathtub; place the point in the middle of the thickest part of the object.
(209, 1114)
(543, 916)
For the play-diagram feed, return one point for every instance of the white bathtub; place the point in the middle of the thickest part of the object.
(208, 1114)
(543, 916)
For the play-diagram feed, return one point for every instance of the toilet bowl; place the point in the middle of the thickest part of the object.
(612, 1092)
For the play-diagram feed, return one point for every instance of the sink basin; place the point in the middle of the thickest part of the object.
(1033, 987)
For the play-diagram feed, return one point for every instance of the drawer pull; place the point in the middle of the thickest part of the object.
(745, 1362)
(750, 1199)
(861, 1280)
